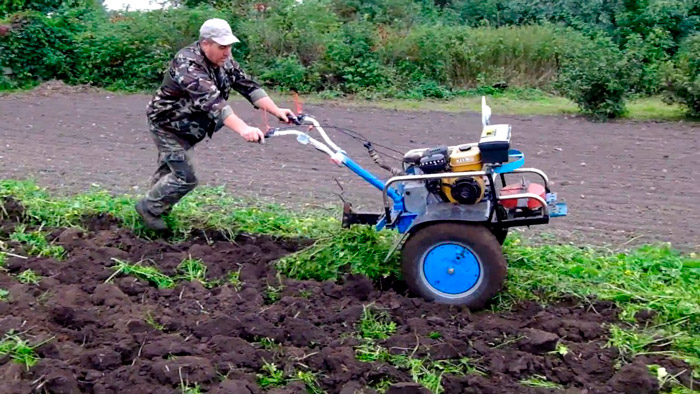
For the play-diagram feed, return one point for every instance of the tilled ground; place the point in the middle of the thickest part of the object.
(117, 334)
(626, 182)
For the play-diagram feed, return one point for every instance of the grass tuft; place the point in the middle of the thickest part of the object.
(540, 381)
(20, 350)
(149, 274)
(234, 279)
(36, 243)
(359, 249)
(375, 325)
(271, 376)
(29, 277)
(195, 270)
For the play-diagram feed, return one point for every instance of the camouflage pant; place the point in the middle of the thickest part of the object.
(175, 175)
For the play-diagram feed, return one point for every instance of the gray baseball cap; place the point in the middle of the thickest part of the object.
(219, 31)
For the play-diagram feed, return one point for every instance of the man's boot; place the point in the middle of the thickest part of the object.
(150, 220)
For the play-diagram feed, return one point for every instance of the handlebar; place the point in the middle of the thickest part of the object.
(329, 147)
(336, 154)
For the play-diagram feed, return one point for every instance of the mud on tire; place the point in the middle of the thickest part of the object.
(477, 239)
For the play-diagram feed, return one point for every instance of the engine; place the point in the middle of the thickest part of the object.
(447, 159)
(492, 148)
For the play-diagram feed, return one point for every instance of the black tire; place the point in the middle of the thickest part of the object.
(477, 239)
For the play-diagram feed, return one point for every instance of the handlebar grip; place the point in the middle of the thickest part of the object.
(270, 133)
(294, 119)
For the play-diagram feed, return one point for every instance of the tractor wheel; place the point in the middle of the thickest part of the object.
(454, 263)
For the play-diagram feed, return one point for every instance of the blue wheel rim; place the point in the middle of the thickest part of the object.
(452, 269)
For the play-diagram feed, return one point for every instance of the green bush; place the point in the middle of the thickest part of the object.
(38, 48)
(374, 48)
(595, 76)
(8, 7)
(131, 51)
(426, 89)
(645, 58)
(287, 74)
(351, 61)
(403, 13)
(289, 28)
(679, 18)
(463, 57)
(683, 80)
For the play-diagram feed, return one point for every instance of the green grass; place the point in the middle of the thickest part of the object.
(427, 372)
(539, 381)
(147, 273)
(151, 321)
(653, 108)
(358, 249)
(512, 101)
(654, 276)
(375, 325)
(515, 102)
(434, 335)
(20, 350)
(187, 389)
(29, 277)
(309, 379)
(234, 279)
(36, 243)
(271, 376)
(203, 208)
(195, 270)
(268, 343)
(272, 294)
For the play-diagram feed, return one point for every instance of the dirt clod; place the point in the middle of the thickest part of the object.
(538, 341)
(407, 388)
(634, 379)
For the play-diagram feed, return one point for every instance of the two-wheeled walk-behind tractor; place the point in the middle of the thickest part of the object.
(447, 204)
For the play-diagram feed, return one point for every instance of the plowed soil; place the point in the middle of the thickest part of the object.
(625, 182)
(107, 333)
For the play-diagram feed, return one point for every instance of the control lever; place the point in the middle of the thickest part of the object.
(295, 119)
(269, 133)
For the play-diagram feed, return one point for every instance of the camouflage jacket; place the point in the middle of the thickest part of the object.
(191, 101)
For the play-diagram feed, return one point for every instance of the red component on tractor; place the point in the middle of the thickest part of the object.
(517, 188)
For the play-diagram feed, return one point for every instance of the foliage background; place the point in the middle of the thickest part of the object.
(597, 53)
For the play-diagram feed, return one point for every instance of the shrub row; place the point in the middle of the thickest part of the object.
(306, 48)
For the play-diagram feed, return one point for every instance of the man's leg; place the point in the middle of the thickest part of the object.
(160, 172)
(174, 178)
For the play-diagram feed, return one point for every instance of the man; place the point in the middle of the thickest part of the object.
(191, 105)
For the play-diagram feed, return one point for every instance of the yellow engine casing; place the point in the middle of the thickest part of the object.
(464, 158)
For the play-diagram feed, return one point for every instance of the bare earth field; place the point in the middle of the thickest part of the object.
(625, 182)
